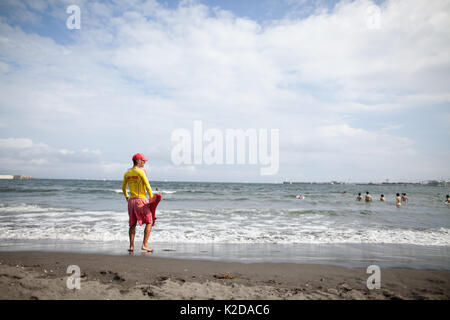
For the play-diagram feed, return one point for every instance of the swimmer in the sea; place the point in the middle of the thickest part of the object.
(399, 200)
(382, 198)
(368, 197)
(404, 197)
(359, 198)
(447, 199)
(300, 197)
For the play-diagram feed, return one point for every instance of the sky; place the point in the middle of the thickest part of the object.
(358, 90)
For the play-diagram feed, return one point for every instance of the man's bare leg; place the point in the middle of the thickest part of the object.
(148, 228)
(132, 232)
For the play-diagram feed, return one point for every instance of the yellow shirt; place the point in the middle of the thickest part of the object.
(137, 181)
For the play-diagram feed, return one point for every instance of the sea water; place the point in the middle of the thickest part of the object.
(235, 221)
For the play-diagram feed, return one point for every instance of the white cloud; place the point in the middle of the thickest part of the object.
(91, 152)
(137, 70)
(25, 150)
(65, 151)
(23, 155)
(15, 143)
(393, 127)
(39, 162)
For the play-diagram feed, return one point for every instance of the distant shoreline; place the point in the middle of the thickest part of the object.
(437, 184)
(15, 177)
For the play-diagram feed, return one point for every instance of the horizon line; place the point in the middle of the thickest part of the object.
(334, 182)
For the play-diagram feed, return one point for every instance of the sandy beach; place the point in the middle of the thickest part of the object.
(42, 275)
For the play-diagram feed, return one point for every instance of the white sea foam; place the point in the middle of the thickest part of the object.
(33, 222)
(25, 208)
(166, 191)
(97, 232)
(154, 191)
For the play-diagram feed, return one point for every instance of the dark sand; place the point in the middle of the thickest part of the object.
(42, 275)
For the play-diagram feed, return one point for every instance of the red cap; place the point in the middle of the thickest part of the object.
(139, 156)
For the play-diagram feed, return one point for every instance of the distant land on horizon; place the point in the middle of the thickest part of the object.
(441, 183)
(421, 183)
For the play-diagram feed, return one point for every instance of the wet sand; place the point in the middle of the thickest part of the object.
(42, 275)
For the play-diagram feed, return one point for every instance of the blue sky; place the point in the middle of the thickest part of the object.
(353, 102)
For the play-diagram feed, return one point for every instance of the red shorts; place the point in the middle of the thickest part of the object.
(142, 210)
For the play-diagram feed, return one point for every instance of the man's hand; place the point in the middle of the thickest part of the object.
(126, 199)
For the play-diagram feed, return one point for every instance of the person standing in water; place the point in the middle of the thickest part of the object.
(382, 198)
(404, 197)
(399, 200)
(447, 199)
(140, 209)
(359, 198)
(368, 197)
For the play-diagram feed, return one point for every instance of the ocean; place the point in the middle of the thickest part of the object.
(245, 222)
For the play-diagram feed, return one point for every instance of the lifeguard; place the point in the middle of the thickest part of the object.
(140, 209)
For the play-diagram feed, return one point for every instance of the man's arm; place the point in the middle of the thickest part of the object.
(147, 184)
(124, 186)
